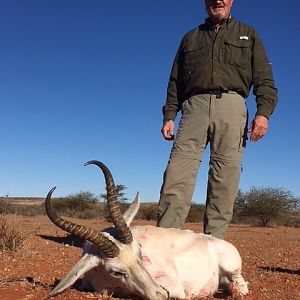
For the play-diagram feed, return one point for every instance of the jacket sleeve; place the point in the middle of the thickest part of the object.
(175, 88)
(262, 78)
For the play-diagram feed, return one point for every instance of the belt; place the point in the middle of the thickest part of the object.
(217, 92)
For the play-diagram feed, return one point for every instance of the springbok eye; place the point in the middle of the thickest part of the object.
(117, 274)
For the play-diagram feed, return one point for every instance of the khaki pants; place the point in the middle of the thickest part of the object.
(221, 122)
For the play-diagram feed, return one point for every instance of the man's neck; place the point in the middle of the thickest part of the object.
(216, 22)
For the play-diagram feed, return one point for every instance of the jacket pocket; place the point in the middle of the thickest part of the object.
(196, 56)
(238, 52)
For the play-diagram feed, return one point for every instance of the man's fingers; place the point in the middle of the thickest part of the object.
(168, 130)
(257, 133)
(258, 128)
(167, 134)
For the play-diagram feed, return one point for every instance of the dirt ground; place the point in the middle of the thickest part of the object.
(271, 261)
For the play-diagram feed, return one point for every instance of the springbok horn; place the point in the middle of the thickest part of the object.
(124, 233)
(107, 247)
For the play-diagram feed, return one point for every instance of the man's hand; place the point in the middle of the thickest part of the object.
(168, 130)
(258, 128)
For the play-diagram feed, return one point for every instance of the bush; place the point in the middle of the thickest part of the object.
(10, 237)
(27, 210)
(9, 206)
(78, 202)
(196, 213)
(4, 205)
(82, 205)
(148, 211)
(292, 220)
(265, 205)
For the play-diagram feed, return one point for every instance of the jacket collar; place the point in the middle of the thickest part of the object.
(226, 22)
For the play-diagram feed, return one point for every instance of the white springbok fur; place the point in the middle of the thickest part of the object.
(185, 263)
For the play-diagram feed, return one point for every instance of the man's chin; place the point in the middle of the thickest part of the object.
(218, 16)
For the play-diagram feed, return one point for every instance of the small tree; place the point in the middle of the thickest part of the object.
(74, 203)
(265, 204)
(120, 191)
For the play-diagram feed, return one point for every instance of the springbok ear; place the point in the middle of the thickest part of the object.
(132, 210)
(86, 263)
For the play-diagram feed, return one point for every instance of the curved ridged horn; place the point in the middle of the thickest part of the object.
(107, 247)
(124, 233)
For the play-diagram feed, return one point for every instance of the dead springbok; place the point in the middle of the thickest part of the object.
(146, 261)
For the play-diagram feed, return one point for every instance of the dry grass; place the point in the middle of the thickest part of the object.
(11, 238)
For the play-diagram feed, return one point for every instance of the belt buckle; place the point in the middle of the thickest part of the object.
(218, 93)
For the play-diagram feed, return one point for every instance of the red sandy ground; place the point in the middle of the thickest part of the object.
(271, 261)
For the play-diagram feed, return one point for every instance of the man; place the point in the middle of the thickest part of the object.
(216, 65)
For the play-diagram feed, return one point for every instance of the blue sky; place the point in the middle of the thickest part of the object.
(86, 79)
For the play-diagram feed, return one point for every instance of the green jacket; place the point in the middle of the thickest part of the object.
(232, 58)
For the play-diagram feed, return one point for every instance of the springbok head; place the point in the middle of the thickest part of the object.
(112, 258)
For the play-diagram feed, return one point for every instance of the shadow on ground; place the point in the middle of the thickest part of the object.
(281, 270)
(64, 240)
